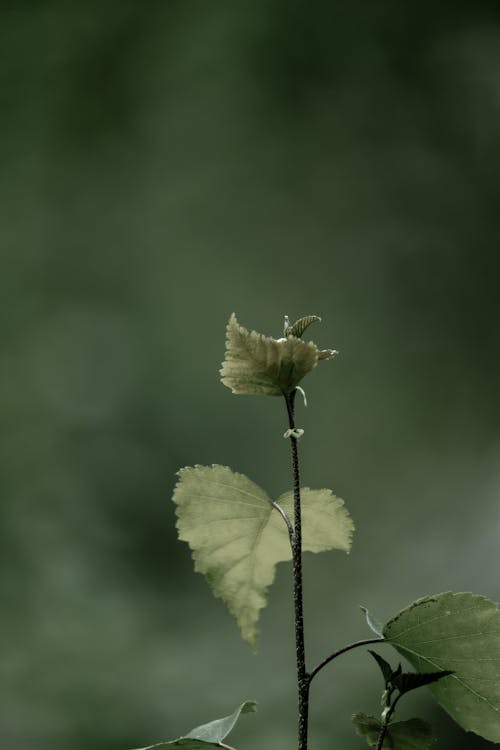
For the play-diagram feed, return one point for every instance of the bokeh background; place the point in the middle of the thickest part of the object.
(166, 163)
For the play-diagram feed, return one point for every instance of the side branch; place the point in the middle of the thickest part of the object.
(349, 647)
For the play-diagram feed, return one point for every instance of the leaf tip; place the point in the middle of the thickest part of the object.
(372, 622)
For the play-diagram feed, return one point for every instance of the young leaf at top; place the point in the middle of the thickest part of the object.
(207, 735)
(237, 536)
(413, 734)
(260, 365)
(300, 325)
(461, 633)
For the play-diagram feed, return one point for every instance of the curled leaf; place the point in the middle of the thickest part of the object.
(261, 365)
(373, 624)
(300, 325)
(327, 353)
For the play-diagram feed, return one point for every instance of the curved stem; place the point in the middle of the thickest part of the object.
(303, 679)
(349, 647)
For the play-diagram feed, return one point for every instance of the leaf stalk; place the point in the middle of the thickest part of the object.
(385, 724)
(345, 649)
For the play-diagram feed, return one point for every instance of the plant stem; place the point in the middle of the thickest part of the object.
(349, 647)
(381, 737)
(385, 724)
(303, 679)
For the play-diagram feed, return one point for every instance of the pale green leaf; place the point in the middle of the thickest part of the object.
(326, 524)
(413, 734)
(260, 365)
(457, 632)
(216, 731)
(237, 537)
(207, 735)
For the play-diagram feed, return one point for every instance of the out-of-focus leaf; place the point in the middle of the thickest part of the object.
(260, 365)
(207, 735)
(237, 536)
(413, 734)
(461, 633)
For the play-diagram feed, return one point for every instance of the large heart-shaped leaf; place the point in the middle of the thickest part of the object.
(457, 632)
(237, 536)
(207, 735)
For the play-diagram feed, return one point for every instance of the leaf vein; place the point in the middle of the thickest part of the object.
(450, 638)
(236, 489)
(454, 677)
(227, 502)
(424, 623)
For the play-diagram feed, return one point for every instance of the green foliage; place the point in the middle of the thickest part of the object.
(404, 682)
(413, 734)
(326, 523)
(260, 365)
(385, 667)
(237, 536)
(407, 681)
(461, 633)
(207, 735)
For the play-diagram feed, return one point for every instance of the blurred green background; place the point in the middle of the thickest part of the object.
(166, 163)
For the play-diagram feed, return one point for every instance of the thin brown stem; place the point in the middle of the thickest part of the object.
(381, 737)
(303, 679)
(385, 724)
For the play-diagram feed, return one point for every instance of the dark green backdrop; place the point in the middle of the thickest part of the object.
(166, 163)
